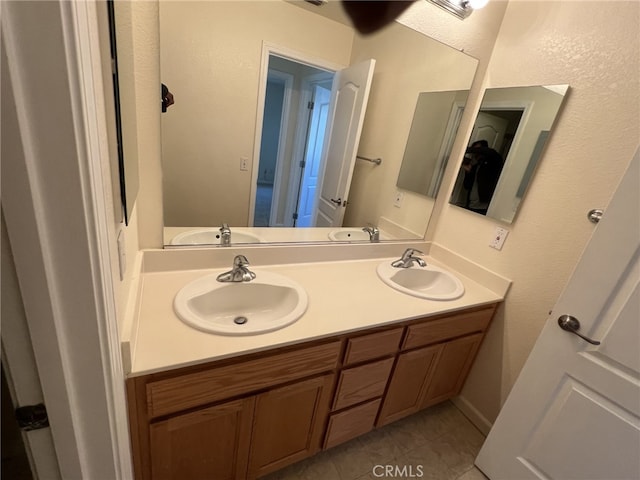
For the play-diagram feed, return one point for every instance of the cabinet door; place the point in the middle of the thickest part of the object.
(288, 424)
(451, 369)
(408, 382)
(209, 443)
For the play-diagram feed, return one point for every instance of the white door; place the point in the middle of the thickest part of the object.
(490, 128)
(348, 104)
(574, 412)
(313, 155)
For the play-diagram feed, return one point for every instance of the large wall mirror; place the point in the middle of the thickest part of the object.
(241, 147)
(505, 146)
(430, 141)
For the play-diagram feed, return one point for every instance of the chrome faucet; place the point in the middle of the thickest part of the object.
(374, 233)
(239, 272)
(225, 235)
(408, 259)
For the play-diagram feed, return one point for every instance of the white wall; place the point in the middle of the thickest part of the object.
(594, 47)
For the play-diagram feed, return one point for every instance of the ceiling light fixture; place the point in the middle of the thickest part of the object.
(460, 8)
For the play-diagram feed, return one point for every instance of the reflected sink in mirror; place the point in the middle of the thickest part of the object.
(211, 236)
(267, 303)
(430, 282)
(350, 235)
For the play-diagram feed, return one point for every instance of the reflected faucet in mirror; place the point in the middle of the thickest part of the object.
(374, 234)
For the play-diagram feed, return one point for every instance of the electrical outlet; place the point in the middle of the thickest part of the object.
(498, 238)
(244, 164)
(397, 201)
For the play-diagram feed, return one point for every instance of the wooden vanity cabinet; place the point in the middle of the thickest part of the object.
(288, 424)
(244, 418)
(408, 384)
(211, 442)
(436, 357)
(362, 381)
(232, 420)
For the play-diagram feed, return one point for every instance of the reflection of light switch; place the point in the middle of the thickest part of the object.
(397, 201)
(498, 238)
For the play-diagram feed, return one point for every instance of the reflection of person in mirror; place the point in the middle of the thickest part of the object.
(167, 98)
(482, 167)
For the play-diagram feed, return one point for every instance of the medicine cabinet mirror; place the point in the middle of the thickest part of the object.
(505, 146)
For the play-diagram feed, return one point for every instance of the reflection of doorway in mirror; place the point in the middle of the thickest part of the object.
(312, 162)
(293, 128)
(498, 127)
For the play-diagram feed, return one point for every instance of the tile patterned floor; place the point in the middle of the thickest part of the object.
(439, 443)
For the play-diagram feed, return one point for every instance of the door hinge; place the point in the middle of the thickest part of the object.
(32, 417)
(310, 105)
(295, 216)
(303, 164)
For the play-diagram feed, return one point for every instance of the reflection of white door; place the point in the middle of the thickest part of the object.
(574, 412)
(348, 104)
(490, 128)
(313, 154)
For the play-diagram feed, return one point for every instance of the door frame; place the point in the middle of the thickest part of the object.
(498, 105)
(287, 78)
(60, 221)
(287, 53)
(457, 110)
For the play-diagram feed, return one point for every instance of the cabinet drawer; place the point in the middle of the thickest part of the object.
(362, 383)
(351, 423)
(207, 386)
(374, 345)
(446, 328)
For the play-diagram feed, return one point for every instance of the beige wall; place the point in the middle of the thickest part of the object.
(211, 54)
(594, 47)
(406, 65)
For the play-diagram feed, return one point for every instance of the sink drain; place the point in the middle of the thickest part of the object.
(240, 320)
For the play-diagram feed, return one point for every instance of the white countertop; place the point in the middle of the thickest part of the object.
(344, 296)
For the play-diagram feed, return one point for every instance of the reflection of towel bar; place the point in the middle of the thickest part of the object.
(377, 161)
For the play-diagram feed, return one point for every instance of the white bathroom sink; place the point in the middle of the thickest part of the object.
(267, 303)
(428, 282)
(211, 236)
(348, 235)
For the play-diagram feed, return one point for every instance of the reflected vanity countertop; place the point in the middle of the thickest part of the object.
(344, 296)
(280, 234)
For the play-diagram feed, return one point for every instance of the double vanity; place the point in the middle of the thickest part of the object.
(233, 379)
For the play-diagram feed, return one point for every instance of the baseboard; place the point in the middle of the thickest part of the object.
(474, 416)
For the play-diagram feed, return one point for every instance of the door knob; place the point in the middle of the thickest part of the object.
(572, 325)
(337, 202)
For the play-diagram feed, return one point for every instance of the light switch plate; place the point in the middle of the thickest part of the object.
(397, 201)
(498, 238)
(244, 164)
